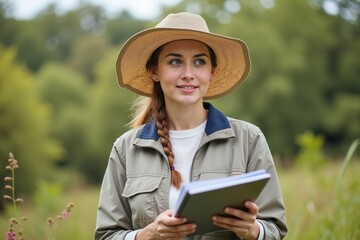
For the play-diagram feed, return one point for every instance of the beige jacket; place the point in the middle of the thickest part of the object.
(136, 185)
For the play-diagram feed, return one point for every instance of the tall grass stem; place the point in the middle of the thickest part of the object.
(345, 164)
(13, 193)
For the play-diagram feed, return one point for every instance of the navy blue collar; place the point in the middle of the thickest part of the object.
(216, 121)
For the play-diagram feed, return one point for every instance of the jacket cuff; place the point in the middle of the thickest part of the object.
(131, 235)
(261, 231)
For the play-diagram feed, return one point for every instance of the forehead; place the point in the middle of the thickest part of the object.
(185, 45)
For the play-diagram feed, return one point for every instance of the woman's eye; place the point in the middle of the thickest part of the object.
(200, 61)
(175, 61)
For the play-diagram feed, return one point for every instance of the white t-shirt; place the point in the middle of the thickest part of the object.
(184, 145)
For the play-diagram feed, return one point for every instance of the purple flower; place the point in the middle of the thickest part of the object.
(10, 235)
(65, 214)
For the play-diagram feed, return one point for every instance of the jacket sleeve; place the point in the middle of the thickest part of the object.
(113, 214)
(271, 207)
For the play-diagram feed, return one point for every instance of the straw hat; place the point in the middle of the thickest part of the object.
(233, 61)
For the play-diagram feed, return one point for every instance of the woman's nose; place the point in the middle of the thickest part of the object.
(187, 72)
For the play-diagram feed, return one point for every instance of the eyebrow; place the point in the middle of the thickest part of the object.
(179, 55)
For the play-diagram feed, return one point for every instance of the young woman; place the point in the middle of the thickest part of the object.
(177, 137)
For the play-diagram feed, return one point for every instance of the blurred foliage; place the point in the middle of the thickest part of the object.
(311, 152)
(109, 113)
(60, 103)
(324, 205)
(24, 123)
(46, 198)
(65, 90)
(86, 52)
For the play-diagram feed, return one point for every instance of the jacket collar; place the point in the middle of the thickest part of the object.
(216, 121)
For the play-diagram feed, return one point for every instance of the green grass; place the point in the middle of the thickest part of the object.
(314, 209)
(79, 225)
(323, 204)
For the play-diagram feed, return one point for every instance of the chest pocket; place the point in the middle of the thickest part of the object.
(143, 198)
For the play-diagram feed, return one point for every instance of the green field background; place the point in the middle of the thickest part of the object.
(314, 209)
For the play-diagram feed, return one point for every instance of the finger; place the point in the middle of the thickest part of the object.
(231, 222)
(252, 207)
(169, 212)
(237, 213)
(240, 230)
(172, 221)
(249, 215)
(176, 232)
(166, 219)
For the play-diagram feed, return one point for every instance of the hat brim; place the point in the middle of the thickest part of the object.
(233, 61)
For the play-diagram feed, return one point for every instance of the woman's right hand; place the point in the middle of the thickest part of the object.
(166, 227)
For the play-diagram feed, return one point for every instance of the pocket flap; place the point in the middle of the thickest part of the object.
(136, 185)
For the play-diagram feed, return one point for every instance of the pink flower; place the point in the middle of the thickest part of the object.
(65, 214)
(10, 235)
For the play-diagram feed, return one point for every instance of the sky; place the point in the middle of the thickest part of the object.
(143, 9)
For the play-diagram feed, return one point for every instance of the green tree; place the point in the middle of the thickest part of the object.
(66, 92)
(86, 52)
(289, 70)
(343, 117)
(24, 124)
(109, 114)
(123, 26)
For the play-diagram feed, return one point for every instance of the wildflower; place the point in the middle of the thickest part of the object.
(14, 221)
(15, 229)
(69, 207)
(65, 214)
(16, 224)
(7, 197)
(50, 221)
(11, 235)
(13, 163)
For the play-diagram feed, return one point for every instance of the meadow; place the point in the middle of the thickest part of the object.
(321, 203)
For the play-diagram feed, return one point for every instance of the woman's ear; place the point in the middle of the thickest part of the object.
(212, 75)
(153, 74)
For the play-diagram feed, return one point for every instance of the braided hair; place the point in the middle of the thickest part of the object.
(160, 117)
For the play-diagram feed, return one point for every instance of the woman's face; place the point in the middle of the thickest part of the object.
(184, 71)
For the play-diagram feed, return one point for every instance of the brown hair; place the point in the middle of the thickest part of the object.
(154, 108)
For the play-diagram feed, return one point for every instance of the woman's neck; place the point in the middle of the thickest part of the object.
(185, 117)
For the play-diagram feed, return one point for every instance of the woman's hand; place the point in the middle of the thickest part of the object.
(166, 227)
(242, 223)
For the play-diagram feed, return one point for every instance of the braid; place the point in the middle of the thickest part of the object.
(159, 114)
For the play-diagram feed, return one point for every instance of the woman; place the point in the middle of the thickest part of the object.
(177, 137)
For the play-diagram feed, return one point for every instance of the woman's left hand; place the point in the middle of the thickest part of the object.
(242, 223)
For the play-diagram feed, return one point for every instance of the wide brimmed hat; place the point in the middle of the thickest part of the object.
(233, 61)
